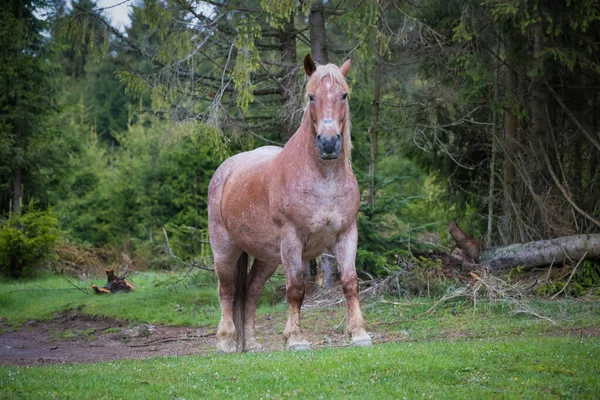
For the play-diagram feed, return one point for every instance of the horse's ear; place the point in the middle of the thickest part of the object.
(309, 65)
(345, 67)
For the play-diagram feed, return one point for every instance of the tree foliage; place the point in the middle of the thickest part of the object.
(138, 188)
(541, 57)
(26, 103)
(482, 111)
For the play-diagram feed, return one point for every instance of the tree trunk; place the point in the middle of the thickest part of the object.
(373, 137)
(289, 80)
(318, 37)
(542, 253)
(544, 217)
(495, 135)
(529, 255)
(310, 270)
(511, 147)
(539, 94)
(330, 272)
(516, 56)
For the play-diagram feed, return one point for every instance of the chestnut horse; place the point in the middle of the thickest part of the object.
(284, 206)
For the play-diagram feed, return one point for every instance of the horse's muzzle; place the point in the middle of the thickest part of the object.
(329, 146)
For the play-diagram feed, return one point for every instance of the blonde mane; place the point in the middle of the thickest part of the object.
(338, 79)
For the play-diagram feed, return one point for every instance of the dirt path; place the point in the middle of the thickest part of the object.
(76, 338)
(80, 338)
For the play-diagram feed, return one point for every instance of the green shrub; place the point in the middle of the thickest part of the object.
(26, 241)
(585, 281)
(188, 242)
(371, 262)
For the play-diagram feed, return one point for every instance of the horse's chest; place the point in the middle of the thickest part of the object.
(319, 217)
(322, 229)
(328, 220)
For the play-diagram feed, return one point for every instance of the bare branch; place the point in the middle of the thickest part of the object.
(570, 277)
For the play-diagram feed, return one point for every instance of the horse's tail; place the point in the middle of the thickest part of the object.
(239, 300)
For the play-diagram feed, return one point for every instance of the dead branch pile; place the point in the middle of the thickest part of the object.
(477, 286)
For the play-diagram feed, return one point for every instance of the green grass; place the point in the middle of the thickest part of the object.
(194, 303)
(489, 319)
(456, 351)
(542, 367)
(162, 298)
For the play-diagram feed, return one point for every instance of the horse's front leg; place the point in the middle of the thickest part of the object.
(345, 253)
(291, 257)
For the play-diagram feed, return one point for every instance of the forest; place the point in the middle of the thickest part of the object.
(482, 112)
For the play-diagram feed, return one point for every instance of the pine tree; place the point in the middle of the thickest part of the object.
(26, 100)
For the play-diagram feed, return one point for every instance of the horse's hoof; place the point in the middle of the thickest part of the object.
(226, 346)
(302, 345)
(361, 339)
(253, 346)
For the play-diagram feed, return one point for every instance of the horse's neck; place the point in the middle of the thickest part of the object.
(301, 150)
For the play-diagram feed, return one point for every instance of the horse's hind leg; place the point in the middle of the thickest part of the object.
(226, 269)
(259, 275)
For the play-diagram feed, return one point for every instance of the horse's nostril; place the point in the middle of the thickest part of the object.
(318, 137)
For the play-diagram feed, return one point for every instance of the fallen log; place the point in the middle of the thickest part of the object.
(114, 284)
(567, 249)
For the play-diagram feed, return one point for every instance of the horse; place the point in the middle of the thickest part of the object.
(287, 205)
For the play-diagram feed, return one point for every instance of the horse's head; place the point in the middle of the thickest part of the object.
(327, 93)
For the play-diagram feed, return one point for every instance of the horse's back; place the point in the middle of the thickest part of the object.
(239, 163)
(246, 161)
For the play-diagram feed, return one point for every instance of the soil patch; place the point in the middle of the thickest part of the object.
(77, 338)
(581, 332)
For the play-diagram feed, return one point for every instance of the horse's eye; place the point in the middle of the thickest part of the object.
(344, 96)
(311, 97)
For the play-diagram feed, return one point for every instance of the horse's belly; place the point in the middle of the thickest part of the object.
(261, 241)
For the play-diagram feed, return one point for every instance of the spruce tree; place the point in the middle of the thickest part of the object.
(26, 99)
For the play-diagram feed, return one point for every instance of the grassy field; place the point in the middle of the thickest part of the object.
(159, 298)
(544, 367)
(455, 351)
